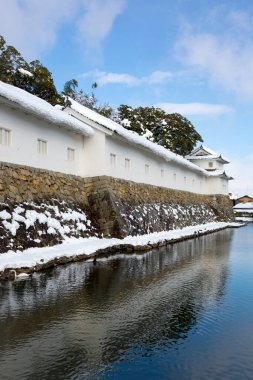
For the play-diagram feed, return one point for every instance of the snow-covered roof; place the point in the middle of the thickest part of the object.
(205, 149)
(221, 174)
(41, 109)
(204, 153)
(135, 138)
(247, 205)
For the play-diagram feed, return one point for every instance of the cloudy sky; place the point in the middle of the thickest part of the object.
(194, 57)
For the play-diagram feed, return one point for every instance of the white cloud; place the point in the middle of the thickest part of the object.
(241, 20)
(96, 22)
(32, 25)
(226, 57)
(103, 78)
(241, 169)
(158, 77)
(201, 109)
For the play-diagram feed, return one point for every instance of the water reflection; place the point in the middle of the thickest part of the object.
(74, 322)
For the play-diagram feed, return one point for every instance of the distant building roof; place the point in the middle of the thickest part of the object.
(204, 153)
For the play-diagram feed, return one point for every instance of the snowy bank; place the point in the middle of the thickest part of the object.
(74, 249)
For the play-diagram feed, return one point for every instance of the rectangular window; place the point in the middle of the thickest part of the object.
(113, 160)
(146, 169)
(5, 137)
(42, 146)
(184, 179)
(174, 177)
(71, 154)
(162, 173)
(210, 164)
(127, 163)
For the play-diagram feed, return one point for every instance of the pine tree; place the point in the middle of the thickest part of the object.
(11, 62)
(70, 89)
(172, 131)
(32, 77)
(42, 85)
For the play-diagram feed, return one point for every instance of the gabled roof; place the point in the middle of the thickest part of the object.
(204, 153)
(245, 196)
(203, 150)
(133, 137)
(41, 109)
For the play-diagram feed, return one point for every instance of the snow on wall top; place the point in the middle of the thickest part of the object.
(135, 138)
(42, 109)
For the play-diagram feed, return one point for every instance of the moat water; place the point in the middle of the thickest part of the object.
(184, 312)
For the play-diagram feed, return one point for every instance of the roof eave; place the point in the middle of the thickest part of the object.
(44, 116)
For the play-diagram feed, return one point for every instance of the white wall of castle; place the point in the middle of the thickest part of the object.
(126, 162)
(101, 154)
(25, 131)
(204, 164)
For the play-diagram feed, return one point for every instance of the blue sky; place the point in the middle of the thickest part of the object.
(194, 57)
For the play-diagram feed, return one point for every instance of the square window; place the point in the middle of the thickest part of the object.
(71, 154)
(113, 160)
(210, 164)
(127, 163)
(42, 146)
(5, 136)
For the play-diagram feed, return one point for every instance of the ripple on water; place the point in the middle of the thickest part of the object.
(181, 313)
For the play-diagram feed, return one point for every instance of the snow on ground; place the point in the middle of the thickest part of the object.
(77, 246)
(31, 224)
(244, 218)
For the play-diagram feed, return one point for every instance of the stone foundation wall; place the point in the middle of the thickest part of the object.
(115, 207)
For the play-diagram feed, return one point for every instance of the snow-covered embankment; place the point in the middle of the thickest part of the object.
(74, 249)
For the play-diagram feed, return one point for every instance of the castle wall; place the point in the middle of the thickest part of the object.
(115, 207)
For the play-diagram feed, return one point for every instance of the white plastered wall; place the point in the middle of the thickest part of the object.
(158, 172)
(94, 161)
(94, 149)
(23, 149)
(92, 155)
(217, 185)
(204, 164)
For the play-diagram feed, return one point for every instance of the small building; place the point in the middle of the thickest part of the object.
(213, 163)
(244, 211)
